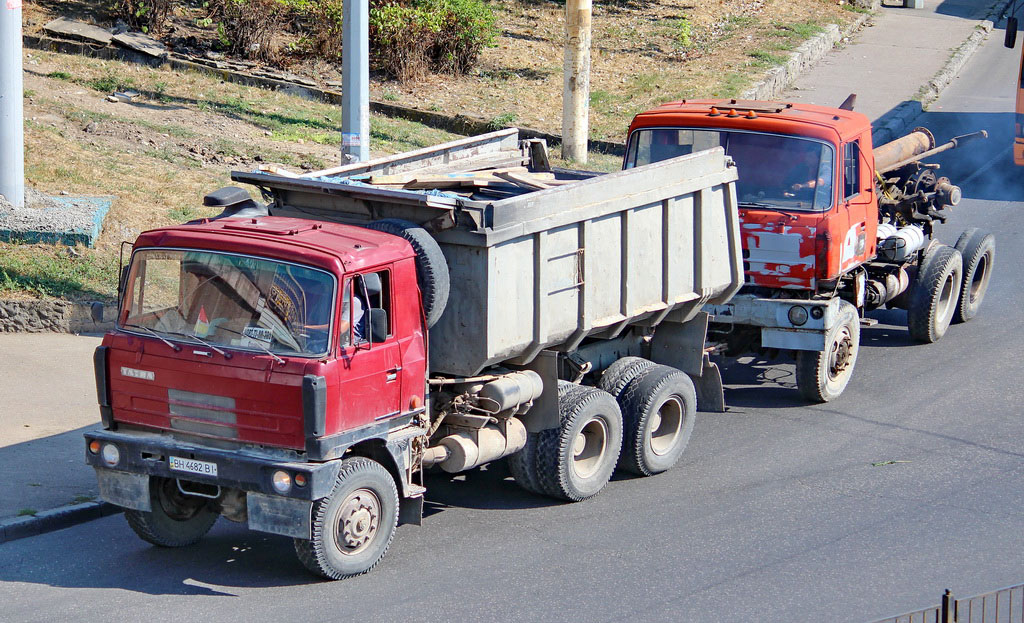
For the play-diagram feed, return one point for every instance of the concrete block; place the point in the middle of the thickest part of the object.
(78, 31)
(54, 220)
(141, 43)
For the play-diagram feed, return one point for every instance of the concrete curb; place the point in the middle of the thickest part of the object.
(55, 519)
(894, 123)
(778, 79)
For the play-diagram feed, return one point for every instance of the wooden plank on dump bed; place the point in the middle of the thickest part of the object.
(493, 143)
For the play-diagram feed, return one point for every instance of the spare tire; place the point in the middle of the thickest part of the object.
(431, 267)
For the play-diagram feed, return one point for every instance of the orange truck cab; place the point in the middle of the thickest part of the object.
(813, 212)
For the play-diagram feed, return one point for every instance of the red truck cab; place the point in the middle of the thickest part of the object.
(248, 353)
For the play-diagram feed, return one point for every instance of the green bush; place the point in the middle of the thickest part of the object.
(145, 15)
(410, 37)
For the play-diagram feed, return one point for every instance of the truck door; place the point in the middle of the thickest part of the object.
(370, 377)
(857, 201)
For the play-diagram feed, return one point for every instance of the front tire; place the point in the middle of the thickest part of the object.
(821, 376)
(575, 461)
(176, 519)
(978, 249)
(934, 294)
(354, 525)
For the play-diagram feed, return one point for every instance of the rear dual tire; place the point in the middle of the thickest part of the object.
(934, 294)
(978, 249)
(574, 461)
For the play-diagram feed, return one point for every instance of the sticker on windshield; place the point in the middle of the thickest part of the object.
(257, 336)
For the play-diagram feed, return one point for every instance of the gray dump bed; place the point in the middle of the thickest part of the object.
(549, 268)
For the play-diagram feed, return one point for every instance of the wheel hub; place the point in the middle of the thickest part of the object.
(840, 354)
(589, 448)
(358, 521)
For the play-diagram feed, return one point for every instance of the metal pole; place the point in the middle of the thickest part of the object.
(355, 81)
(12, 128)
(576, 86)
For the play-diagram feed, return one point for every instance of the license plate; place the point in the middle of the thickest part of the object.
(192, 466)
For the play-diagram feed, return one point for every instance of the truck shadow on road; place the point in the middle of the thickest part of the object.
(490, 487)
(108, 555)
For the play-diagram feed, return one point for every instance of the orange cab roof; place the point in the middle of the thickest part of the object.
(761, 116)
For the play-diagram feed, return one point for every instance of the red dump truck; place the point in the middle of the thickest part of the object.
(296, 366)
(831, 228)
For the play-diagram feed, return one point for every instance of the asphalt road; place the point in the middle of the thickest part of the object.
(775, 513)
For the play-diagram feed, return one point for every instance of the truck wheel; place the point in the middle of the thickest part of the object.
(352, 526)
(523, 464)
(978, 250)
(431, 267)
(618, 375)
(176, 520)
(935, 293)
(822, 376)
(658, 413)
(576, 460)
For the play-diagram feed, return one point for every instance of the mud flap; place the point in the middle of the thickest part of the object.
(124, 489)
(279, 515)
(710, 393)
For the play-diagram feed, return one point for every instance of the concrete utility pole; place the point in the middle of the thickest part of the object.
(576, 92)
(12, 128)
(355, 81)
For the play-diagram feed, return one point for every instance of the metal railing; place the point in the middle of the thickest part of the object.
(1005, 605)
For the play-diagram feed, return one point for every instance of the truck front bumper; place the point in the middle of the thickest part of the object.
(142, 456)
(788, 324)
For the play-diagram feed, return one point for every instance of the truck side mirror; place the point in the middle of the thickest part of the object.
(378, 322)
(1010, 37)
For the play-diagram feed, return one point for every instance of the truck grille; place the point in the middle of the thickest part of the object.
(204, 414)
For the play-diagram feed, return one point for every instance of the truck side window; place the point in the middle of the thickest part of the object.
(851, 169)
(371, 291)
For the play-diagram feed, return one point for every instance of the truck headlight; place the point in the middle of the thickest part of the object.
(111, 455)
(282, 481)
(797, 315)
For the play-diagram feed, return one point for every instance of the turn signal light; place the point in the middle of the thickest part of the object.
(300, 480)
(94, 447)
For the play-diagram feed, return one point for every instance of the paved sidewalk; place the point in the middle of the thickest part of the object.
(892, 57)
(47, 399)
(47, 392)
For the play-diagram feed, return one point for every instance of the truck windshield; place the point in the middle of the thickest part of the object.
(229, 300)
(778, 171)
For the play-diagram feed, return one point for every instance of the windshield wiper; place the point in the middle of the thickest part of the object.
(156, 335)
(209, 345)
(766, 206)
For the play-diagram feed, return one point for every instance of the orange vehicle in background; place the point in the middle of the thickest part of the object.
(1018, 126)
(831, 228)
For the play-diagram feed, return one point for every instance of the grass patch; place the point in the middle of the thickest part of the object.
(46, 270)
(797, 30)
(82, 499)
(504, 120)
(109, 83)
(764, 58)
(27, 512)
(731, 85)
